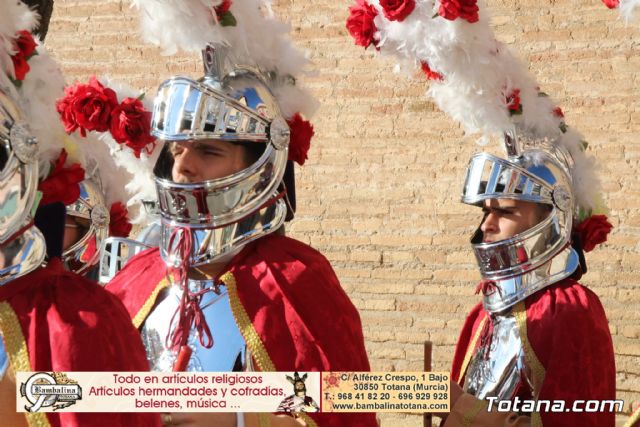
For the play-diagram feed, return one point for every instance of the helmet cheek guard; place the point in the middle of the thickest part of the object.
(537, 257)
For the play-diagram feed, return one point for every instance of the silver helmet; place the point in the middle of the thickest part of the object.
(22, 247)
(233, 104)
(91, 218)
(537, 171)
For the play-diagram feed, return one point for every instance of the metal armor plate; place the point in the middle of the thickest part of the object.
(228, 352)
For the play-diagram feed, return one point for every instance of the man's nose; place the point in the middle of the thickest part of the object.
(184, 166)
(490, 223)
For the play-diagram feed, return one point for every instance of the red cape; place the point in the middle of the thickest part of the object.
(287, 302)
(69, 323)
(568, 345)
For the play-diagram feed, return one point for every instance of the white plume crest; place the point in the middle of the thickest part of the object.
(257, 39)
(480, 75)
(16, 16)
(628, 9)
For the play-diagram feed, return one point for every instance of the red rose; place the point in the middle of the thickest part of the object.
(131, 125)
(454, 9)
(360, 23)
(119, 225)
(223, 8)
(62, 184)
(593, 231)
(611, 4)
(513, 102)
(25, 47)
(431, 75)
(301, 134)
(397, 10)
(223, 15)
(558, 112)
(87, 107)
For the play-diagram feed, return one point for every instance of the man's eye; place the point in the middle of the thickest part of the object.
(212, 153)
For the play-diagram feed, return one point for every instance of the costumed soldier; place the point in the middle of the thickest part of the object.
(50, 319)
(226, 290)
(538, 334)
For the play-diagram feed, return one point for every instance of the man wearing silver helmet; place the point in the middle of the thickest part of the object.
(50, 319)
(226, 290)
(538, 336)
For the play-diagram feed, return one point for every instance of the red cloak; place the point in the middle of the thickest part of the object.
(287, 302)
(567, 343)
(68, 323)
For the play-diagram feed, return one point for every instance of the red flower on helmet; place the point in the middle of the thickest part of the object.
(87, 106)
(593, 231)
(360, 23)
(431, 75)
(558, 112)
(131, 125)
(119, 225)
(300, 141)
(224, 15)
(611, 4)
(513, 103)
(25, 47)
(397, 10)
(454, 9)
(62, 184)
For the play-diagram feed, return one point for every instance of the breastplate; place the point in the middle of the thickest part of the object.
(498, 369)
(228, 352)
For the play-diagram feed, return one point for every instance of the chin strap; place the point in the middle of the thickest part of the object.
(189, 313)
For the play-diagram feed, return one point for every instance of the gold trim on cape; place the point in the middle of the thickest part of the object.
(251, 337)
(471, 348)
(144, 311)
(18, 353)
(635, 417)
(537, 369)
(245, 325)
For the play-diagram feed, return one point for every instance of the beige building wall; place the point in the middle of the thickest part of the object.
(379, 194)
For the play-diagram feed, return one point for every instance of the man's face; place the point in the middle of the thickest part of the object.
(196, 161)
(504, 218)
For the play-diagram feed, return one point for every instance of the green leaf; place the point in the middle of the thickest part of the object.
(228, 20)
(585, 145)
(543, 95)
(141, 97)
(563, 127)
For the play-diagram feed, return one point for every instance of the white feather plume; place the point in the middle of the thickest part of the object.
(258, 39)
(42, 87)
(627, 9)
(15, 16)
(479, 74)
